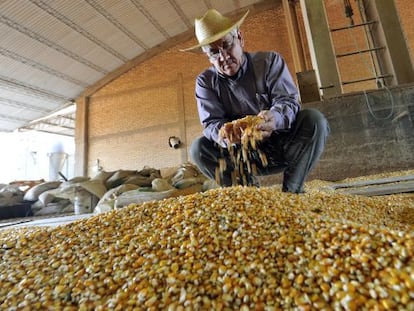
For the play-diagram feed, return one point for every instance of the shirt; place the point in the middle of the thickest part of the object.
(262, 83)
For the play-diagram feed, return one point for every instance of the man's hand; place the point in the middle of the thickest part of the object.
(249, 129)
(231, 133)
(269, 124)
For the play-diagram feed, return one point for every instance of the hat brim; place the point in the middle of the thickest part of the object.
(217, 36)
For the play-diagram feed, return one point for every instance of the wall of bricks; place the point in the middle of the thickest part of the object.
(131, 118)
(353, 67)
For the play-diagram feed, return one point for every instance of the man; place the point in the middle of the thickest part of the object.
(240, 84)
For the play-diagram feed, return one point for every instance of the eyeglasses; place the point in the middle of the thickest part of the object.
(227, 46)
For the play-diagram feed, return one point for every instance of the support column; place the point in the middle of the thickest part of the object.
(181, 116)
(294, 36)
(395, 58)
(321, 49)
(81, 136)
(306, 79)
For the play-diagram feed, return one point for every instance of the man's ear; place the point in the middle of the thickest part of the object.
(241, 38)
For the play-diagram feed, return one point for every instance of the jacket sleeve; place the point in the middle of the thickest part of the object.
(210, 109)
(283, 93)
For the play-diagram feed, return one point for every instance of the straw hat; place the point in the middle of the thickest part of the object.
(213, 26)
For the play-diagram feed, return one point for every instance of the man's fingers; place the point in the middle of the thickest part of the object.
(266, 134)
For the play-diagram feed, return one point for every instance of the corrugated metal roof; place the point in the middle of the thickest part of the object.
(52, 50)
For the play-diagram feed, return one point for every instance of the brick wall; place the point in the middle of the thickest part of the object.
(131, 118)
(352, 67)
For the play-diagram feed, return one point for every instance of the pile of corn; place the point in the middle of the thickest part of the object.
(237, 248)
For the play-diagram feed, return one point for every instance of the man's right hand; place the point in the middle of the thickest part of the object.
(231, 133)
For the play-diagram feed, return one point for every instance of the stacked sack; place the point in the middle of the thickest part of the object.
(186, 179)
(110, 190)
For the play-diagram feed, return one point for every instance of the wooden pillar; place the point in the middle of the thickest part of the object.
(387, 32)
(321, 48)
(81, 136)
(294, 36)
(181, 116)
(306, 79)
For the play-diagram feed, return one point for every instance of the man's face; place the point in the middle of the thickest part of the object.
(226, 54)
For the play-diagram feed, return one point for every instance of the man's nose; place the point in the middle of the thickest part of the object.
(223, 53)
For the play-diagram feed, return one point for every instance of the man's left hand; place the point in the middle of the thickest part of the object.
(269, 124)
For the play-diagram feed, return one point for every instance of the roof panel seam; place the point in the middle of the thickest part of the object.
(32, 90)
(208, 4)
(180, 13)
(152, 20)
(17, 104)
(116, 23)
(59, 16)
(13, 119)
(29, 62)
(16, 26)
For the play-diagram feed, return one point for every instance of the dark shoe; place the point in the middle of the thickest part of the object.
(253, 181)
(297, 192)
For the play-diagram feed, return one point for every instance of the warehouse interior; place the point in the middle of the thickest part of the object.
(111, 75)
(54, 60)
